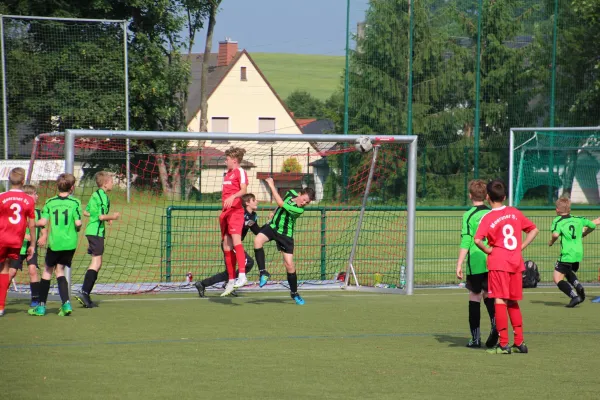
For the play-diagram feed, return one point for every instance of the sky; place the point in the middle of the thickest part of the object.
(285, 26)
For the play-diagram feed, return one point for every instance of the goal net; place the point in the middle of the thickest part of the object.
(547, 163)
(169, 228)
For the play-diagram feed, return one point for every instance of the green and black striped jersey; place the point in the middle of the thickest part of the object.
(284, 219)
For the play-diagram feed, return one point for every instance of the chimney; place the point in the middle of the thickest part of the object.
(227, 51)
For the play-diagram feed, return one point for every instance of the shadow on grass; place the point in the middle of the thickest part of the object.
(549, 303)
(268, 300)
(226, 301)
(453, 341)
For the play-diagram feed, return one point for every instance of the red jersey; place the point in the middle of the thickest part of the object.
(232, 181)
(15, 207)
(503, 229)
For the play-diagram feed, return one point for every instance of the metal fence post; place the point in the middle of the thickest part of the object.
(323, 243)
(168, 245)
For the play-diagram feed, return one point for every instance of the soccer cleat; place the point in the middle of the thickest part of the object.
(1, 313)
(474, 344)
(298, 299)
(497, 349)
(240, 282)
(264, 278)
(39, 311)
(234, 293)
(84, 299)
(92, 304)
(580, 292)
(65, 309)
(574, 301)
(201, 289)
(492, 340)
(228, 289)
(522, 348)
(34, 304)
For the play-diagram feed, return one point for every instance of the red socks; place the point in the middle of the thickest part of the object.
(230, 263)
(502, 323)
(4, 284)
(516, 319)
(240, 255)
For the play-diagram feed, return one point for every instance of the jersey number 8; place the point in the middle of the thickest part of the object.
(510, 241)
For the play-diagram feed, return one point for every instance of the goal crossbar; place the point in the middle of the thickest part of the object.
(411, 140)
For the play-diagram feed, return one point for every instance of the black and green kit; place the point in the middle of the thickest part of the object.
(284, 219)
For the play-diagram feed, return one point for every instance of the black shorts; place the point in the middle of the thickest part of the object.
(284, 243)
(95, 245)
(62, 257)
(18, 264)
(477, 283)
(565, 267)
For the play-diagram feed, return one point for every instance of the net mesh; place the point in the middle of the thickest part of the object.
(61, 75)
(548, 165)
(170, 227)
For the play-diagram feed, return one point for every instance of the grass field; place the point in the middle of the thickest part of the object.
(316, 74)
(262, 346)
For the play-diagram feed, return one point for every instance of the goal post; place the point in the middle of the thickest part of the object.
(361, 239)
(546, 163)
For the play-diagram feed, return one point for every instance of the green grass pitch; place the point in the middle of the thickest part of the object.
(262, 346)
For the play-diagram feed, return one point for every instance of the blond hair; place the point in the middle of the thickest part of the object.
(477, 190)
(563, 205)
(65, 182)
(102, 177)
(16, 176)
(29, 189)
(236, 153)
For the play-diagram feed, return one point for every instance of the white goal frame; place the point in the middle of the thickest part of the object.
(72, 134)
(512, 149)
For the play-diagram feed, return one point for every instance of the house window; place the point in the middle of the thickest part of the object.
(266, 125)
(243, 76)
(220, 125)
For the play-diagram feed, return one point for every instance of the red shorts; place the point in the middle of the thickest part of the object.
(505, 285)
(231, 221)
(9, 252)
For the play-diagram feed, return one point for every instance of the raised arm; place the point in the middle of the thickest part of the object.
(276, 195)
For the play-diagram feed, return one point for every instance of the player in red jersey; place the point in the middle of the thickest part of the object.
(235, 184)
(17, 212)
(502, 227)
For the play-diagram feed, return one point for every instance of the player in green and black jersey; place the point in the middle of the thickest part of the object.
(476, 268)
(281, 229)
(62, 215)
(97, 209)
(571, 230)
(32, 263)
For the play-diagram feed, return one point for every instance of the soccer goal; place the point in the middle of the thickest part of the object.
(358, 234)
(547, 163)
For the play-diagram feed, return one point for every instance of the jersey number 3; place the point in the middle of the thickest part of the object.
(16, 218)
(510, 241)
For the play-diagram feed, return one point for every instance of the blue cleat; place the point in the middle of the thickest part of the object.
(298, 299)
(34, 304)
(264, 278)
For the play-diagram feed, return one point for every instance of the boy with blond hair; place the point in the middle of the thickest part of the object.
(231, 220)
(571, 230)
(476, 269)
(16, 214)
(32, 263)
(98, 209)
(62, 215)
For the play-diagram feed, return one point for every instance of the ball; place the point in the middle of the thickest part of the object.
(363, 144)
